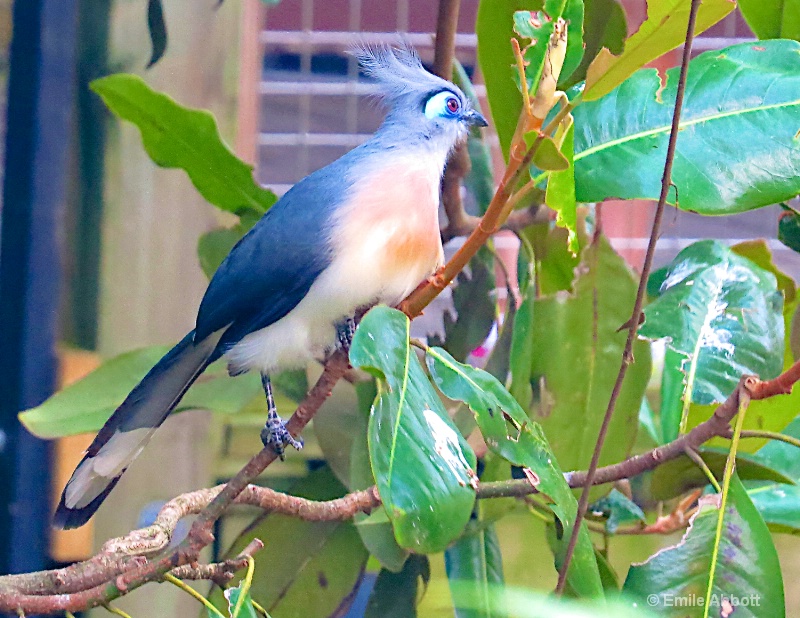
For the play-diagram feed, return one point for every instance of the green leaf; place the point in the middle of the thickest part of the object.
(509, 432)
(157, 28)
(494, 28)
(778, 504)
(722, 313)
(747, 566)
(617, 509)
(87, 404)
(548, 156)
(179, 137)
(475, 559)
(395, 594)
(306, 568)
(663, 30)
(744, 100)
(560, 194)
(676, 477)
(604, 25)
(473, 299)
(422, 466)
(581, 331)
(772, 19)
(673, 385)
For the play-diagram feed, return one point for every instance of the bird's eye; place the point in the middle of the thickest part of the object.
(443, 104)
(452, 105)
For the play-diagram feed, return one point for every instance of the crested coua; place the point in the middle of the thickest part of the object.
(360, 231)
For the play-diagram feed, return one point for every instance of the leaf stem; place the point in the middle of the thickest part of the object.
(193, 593)
(700, 463)
(627, 355)
(730, 465)
(770, 435)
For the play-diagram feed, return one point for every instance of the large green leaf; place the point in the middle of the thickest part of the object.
(423, 468)
(306, 568)
(722, 313)
(772, 19)
(577, 352)
(674, 581)
(663, 30)
(509, 432)
(176, 136)
(495, 27)
(737, 149)
(86, 404)
(475, 559)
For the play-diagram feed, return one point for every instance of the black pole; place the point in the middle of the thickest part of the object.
(40, 111)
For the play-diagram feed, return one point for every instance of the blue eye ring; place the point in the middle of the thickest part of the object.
(443, 104)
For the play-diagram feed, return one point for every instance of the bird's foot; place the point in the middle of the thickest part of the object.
(345, 333)
(276, 436)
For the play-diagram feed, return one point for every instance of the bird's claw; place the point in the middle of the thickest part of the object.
(275, 435)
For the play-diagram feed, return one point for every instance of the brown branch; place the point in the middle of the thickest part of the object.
(627, 355)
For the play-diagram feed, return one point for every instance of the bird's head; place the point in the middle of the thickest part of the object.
(421, 105)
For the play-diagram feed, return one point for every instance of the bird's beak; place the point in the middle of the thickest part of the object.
(475, 119)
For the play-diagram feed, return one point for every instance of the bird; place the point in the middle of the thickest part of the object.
(360, 231)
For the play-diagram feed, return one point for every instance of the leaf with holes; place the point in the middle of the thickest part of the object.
(179, 137)
(537, 27)
(722, 314)
(737, 148)
(745, 564)
(424, 469)
(509, 432)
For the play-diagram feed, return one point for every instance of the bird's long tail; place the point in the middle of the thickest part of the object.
(129, 429)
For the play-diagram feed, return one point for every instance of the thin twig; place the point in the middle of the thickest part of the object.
(627, 355)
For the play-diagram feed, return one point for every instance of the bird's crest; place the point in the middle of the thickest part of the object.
(398, 70)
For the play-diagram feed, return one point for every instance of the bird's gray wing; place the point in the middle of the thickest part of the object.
(273, 266)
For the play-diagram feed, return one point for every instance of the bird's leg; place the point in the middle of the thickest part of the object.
(345, 332)
(275, 433)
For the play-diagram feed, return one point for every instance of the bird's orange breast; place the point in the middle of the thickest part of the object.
(392, 221)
